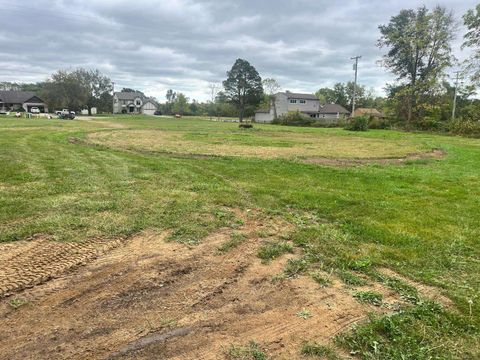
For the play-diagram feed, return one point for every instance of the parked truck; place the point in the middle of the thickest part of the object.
(66, 114)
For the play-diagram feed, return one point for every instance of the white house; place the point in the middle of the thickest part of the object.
(307, 104)
(133, 103)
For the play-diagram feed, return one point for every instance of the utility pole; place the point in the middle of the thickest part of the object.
(355, 67)
(214, 90)
(455, 95)
(113, 98)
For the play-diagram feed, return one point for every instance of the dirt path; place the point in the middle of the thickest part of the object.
(155, 299)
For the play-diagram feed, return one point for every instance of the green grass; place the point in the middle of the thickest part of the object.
(319, 351)
(420, 219)
(369, 297)
(351, 279)
(272, 250)
(321, 280)
(425, 331)
(236, 238)
(251, 352)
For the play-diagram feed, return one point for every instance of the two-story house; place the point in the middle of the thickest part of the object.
(133, 103)
(307, 104)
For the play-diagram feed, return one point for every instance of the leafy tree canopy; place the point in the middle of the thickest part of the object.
(243, 86)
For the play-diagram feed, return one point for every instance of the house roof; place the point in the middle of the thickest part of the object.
(129, 95)
(264, 111)
(332, 109)
(292, 95)
(16, 97)
(368, 111)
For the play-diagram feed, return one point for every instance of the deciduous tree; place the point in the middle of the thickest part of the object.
(271, 87)
(472, 40)
(419, 50)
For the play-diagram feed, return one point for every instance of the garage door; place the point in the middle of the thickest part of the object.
(148, 112)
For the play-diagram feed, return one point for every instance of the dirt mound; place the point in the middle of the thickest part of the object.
(434, 154)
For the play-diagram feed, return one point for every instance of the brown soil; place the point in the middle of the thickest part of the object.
(152, 299)
(434, 154)
(28, 263)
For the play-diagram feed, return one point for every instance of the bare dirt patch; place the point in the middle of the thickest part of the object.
(155, 299)
(434, 154)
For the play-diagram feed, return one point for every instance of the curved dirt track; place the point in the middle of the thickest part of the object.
(152, 299)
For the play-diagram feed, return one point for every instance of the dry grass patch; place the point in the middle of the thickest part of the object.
(263, 144)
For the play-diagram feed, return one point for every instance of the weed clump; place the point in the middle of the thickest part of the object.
(251, 352)
(318, 350)
(272, 250)
(370, 297)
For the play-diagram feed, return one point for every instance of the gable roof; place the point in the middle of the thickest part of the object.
(332, 109)
(17, 97)
(129, 95)
(291, 95)
(368, 111)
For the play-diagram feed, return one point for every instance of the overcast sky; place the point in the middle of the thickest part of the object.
(185, 44)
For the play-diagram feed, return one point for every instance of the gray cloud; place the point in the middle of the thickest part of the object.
(184, 44)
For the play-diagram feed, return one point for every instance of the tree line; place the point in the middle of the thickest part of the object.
(75, 90)
(418, 51)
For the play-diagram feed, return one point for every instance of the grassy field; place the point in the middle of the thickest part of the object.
(74, 180)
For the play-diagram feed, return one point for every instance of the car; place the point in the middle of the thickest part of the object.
(35, 110)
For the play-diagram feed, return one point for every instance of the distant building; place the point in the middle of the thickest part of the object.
(307, 104)
(14, 100)
(371, 112)
(133, 103)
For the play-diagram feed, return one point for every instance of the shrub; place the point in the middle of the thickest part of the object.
(465, 127)
(378, 123)
(428, 123)
(294, 118)
(358, 123)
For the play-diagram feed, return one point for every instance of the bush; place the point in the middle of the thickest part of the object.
(428, 123)
(378, 123)
(294, 118)
(465, 127)
(358, 123)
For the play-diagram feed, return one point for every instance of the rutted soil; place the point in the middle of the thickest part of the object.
(28, 263)
(152, 299)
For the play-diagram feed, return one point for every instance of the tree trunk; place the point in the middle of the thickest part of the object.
(241, 113)
(274, 108)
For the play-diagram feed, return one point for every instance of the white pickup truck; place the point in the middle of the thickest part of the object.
(65, 114)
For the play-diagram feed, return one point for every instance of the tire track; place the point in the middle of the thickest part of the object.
(28, 263)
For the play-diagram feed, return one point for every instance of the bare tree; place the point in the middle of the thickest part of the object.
(271, 87)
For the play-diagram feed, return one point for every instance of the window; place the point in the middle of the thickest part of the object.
(293, 101)
(302, 101)
(138, 102)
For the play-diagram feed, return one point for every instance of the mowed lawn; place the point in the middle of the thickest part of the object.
(112, 177)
